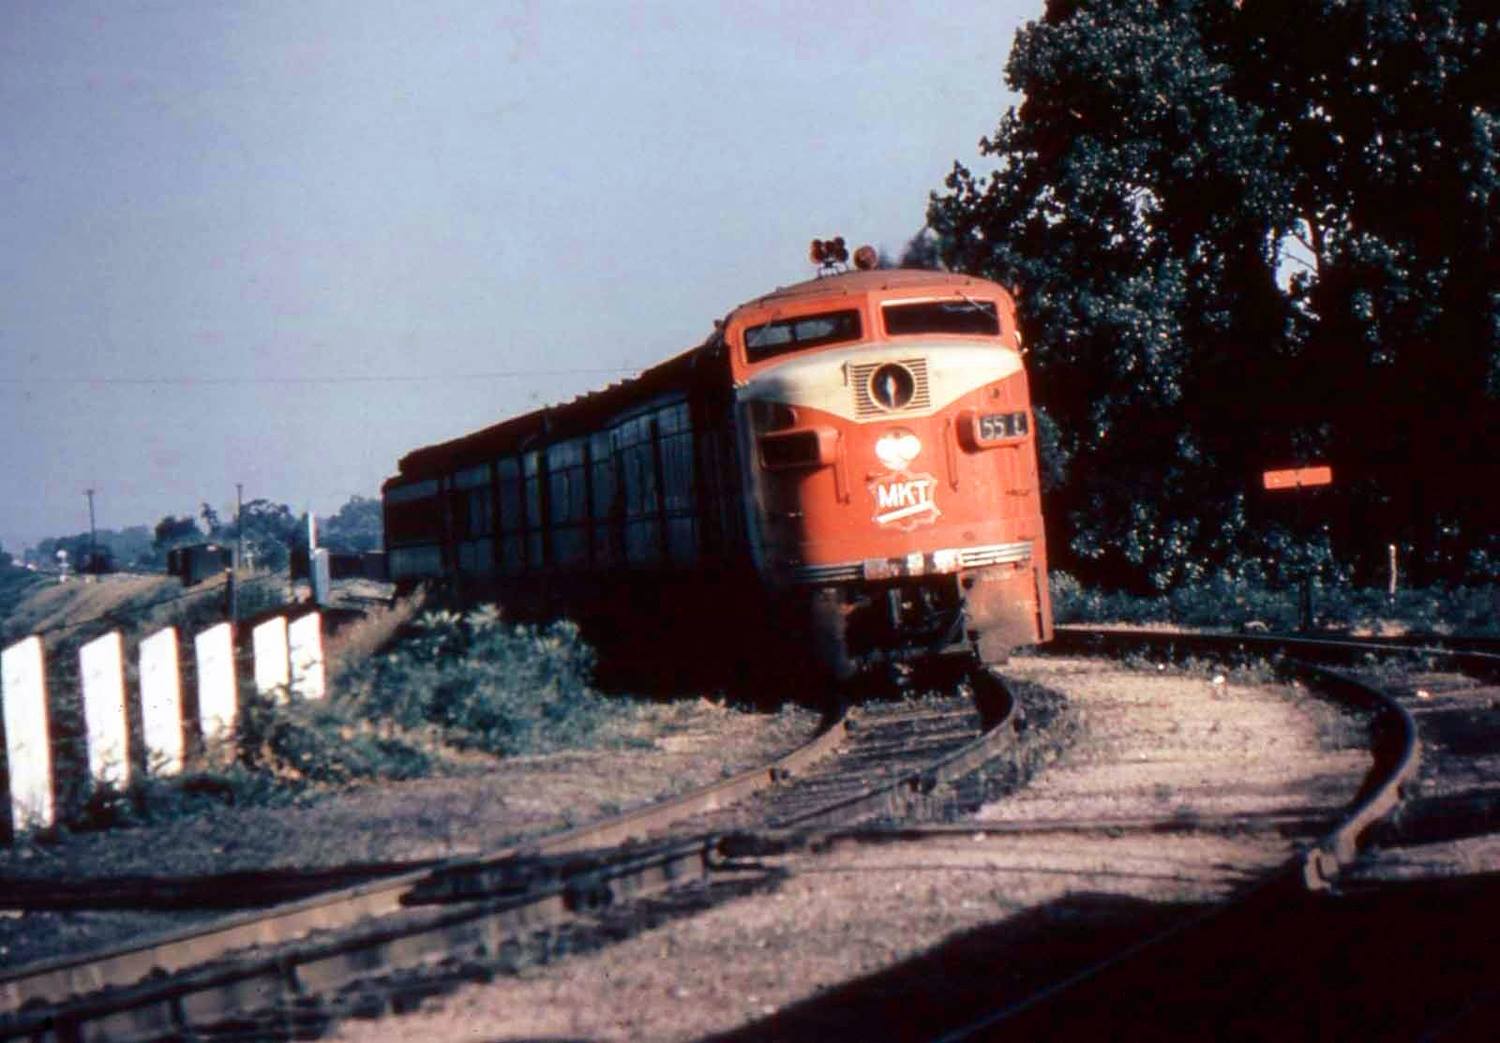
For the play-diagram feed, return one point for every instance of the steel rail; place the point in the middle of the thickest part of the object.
(1395, 747)
(902, 796)
(893, 798)
(474, 906)
(55, 980)
(1395, 744)
(320, 966)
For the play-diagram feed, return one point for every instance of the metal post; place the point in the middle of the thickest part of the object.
(93, 538)
(1304, 613)
(1390, 593)
(239, 552)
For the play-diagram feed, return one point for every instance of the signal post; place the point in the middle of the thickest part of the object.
(1296, 479)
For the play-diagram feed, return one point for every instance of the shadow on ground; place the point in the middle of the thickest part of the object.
(1412, 961)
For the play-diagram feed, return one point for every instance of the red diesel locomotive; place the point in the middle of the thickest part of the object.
(844, 474)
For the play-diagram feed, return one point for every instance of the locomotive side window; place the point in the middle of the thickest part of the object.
(411, 514)
(805, 331)
(472, 519)
(568, 503)
(607, 507)
(637, 447)
(531, 467)
(413, 525)
(674, 428)
(512, 539)
(962, 316)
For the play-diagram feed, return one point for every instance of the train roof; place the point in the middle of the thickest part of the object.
(863, 282)
(584, 412)
(576, 416)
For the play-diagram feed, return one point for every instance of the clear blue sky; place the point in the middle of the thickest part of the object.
(230, 231)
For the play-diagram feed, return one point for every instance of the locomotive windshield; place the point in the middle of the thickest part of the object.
(962, 316)
(805, 331)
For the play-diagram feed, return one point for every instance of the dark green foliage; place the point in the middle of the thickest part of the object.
(15, 584)
(1222, 601)
(270, 531)
(124, 547)
(1246, 235)
(358, 526)
(172, 531)
(324, 742)
(485, 684)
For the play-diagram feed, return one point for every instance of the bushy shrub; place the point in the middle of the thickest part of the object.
(1223, 600)
(324, 742)
(484, 684)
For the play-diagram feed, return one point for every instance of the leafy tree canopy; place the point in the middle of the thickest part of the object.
(358, 526)
(1247, 234)
(173, 531)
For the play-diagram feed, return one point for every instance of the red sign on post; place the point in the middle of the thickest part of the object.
(1298, 477)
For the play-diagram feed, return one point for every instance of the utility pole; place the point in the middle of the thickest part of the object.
(93, 536)
(239, 550)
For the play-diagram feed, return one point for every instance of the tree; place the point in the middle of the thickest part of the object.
(358, 526)
(173, 531)
(269, 531)
(1166, 160)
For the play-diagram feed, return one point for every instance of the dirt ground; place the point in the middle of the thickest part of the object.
(82, 598)
(653, 751)
(898, 941)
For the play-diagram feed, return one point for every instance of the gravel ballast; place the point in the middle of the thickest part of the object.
(652, 752)
(866, 942)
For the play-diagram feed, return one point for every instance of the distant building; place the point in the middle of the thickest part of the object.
(194, 562)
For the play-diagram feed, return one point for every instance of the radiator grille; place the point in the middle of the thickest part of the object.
(866, 408)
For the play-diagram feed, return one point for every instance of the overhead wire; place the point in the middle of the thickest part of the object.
(394, 378)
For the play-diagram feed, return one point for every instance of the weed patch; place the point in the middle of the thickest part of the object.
(1223, 601)
(483, 684)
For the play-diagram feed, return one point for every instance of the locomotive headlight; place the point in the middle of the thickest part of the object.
(897, 448)
(892, 386)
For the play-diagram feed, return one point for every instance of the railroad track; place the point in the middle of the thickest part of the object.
(378, 945)
(1312, 950)
(291, 961)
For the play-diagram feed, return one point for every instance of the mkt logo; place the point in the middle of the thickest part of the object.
(905, 500)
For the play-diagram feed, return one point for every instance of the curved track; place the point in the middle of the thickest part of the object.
(1287, 961)
(318, 946)
(458, 917)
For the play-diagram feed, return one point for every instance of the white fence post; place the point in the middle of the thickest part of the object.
(28, 746)
(305, 647)
(161, 702)
(218, 691)
(272, 662)
(102, 664)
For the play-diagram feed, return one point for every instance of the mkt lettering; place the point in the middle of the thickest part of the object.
(905, 500)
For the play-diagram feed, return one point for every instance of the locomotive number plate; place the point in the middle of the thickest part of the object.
(904, 500)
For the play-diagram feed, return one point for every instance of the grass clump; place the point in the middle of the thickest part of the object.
(484, 684)
(1224, 601)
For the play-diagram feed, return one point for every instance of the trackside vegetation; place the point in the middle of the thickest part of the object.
(1238, 604)
(480, 683)
(1249, 236)
(451, 690)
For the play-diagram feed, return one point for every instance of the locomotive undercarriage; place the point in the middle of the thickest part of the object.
(984, 612)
